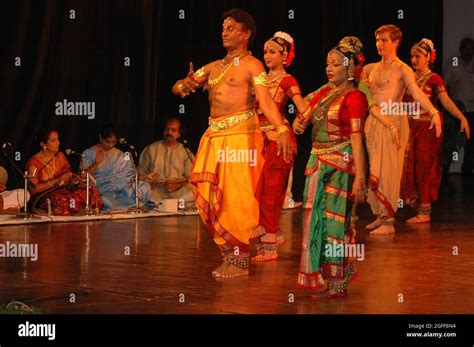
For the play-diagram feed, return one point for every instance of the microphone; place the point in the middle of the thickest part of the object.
(122, 141)
(6, 144)
(74, 153)
(183, 141)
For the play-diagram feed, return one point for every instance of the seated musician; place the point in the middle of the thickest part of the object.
(10, 200)
(166, 164)
(54, 181)
(114, 172)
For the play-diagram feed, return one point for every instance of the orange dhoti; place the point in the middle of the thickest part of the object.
(226, 172)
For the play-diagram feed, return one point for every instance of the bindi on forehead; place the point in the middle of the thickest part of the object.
(334, 58)
(269, 48)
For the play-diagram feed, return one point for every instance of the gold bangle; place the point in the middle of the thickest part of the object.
(180, 87)
(282, 129)
(360, 177)
(298, 132)
(433, 111)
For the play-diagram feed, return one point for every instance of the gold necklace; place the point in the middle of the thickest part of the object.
(325, 101)
(275, 75)
(419, 79)
(51, 168)
(226, 66)
(382, 80)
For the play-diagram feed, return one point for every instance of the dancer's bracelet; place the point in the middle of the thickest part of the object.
(181, 91)
(297, 132)
(282, 129)
(433, 112)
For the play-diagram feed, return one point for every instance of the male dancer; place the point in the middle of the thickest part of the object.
(387, 133)
(229, 161)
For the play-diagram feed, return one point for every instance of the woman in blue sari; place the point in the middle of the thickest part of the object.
(114, 172)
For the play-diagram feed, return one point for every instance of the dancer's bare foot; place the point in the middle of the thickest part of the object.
(218, 271)
(375, 224)
(383, 230)
(419, 219)
(265, 256)
(267, 248)
(232, 271)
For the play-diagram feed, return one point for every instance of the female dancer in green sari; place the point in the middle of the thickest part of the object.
(335, 173)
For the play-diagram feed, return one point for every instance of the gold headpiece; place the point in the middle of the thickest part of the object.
(283, 42)
(350, 47)
(426, 47)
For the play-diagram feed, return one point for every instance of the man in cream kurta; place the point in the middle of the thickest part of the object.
(167, 164)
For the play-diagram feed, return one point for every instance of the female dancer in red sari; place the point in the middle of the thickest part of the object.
(423, 163)
(271, 190)
(54, 181)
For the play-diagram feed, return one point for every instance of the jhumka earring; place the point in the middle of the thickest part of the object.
(351, 70)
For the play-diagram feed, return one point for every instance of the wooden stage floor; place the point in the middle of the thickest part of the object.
(169, 267)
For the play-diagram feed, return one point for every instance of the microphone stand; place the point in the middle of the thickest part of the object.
(88, 211)
(187, 149)
(25, 215)
(137, 209)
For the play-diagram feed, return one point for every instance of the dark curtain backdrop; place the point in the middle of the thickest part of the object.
(82, 59)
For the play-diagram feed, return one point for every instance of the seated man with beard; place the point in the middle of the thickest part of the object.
(167, 164)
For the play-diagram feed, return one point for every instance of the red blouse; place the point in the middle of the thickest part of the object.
(346, 113)
(280, 90)
(432, 85)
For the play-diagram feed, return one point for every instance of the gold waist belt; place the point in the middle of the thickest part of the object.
(220, 124)
(329, 147)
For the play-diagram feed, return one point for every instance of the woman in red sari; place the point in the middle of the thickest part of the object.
(53, 180)
(279, 52)
(423, 163)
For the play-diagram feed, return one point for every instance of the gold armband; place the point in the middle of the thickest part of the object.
(199, 73)
(260, 80)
